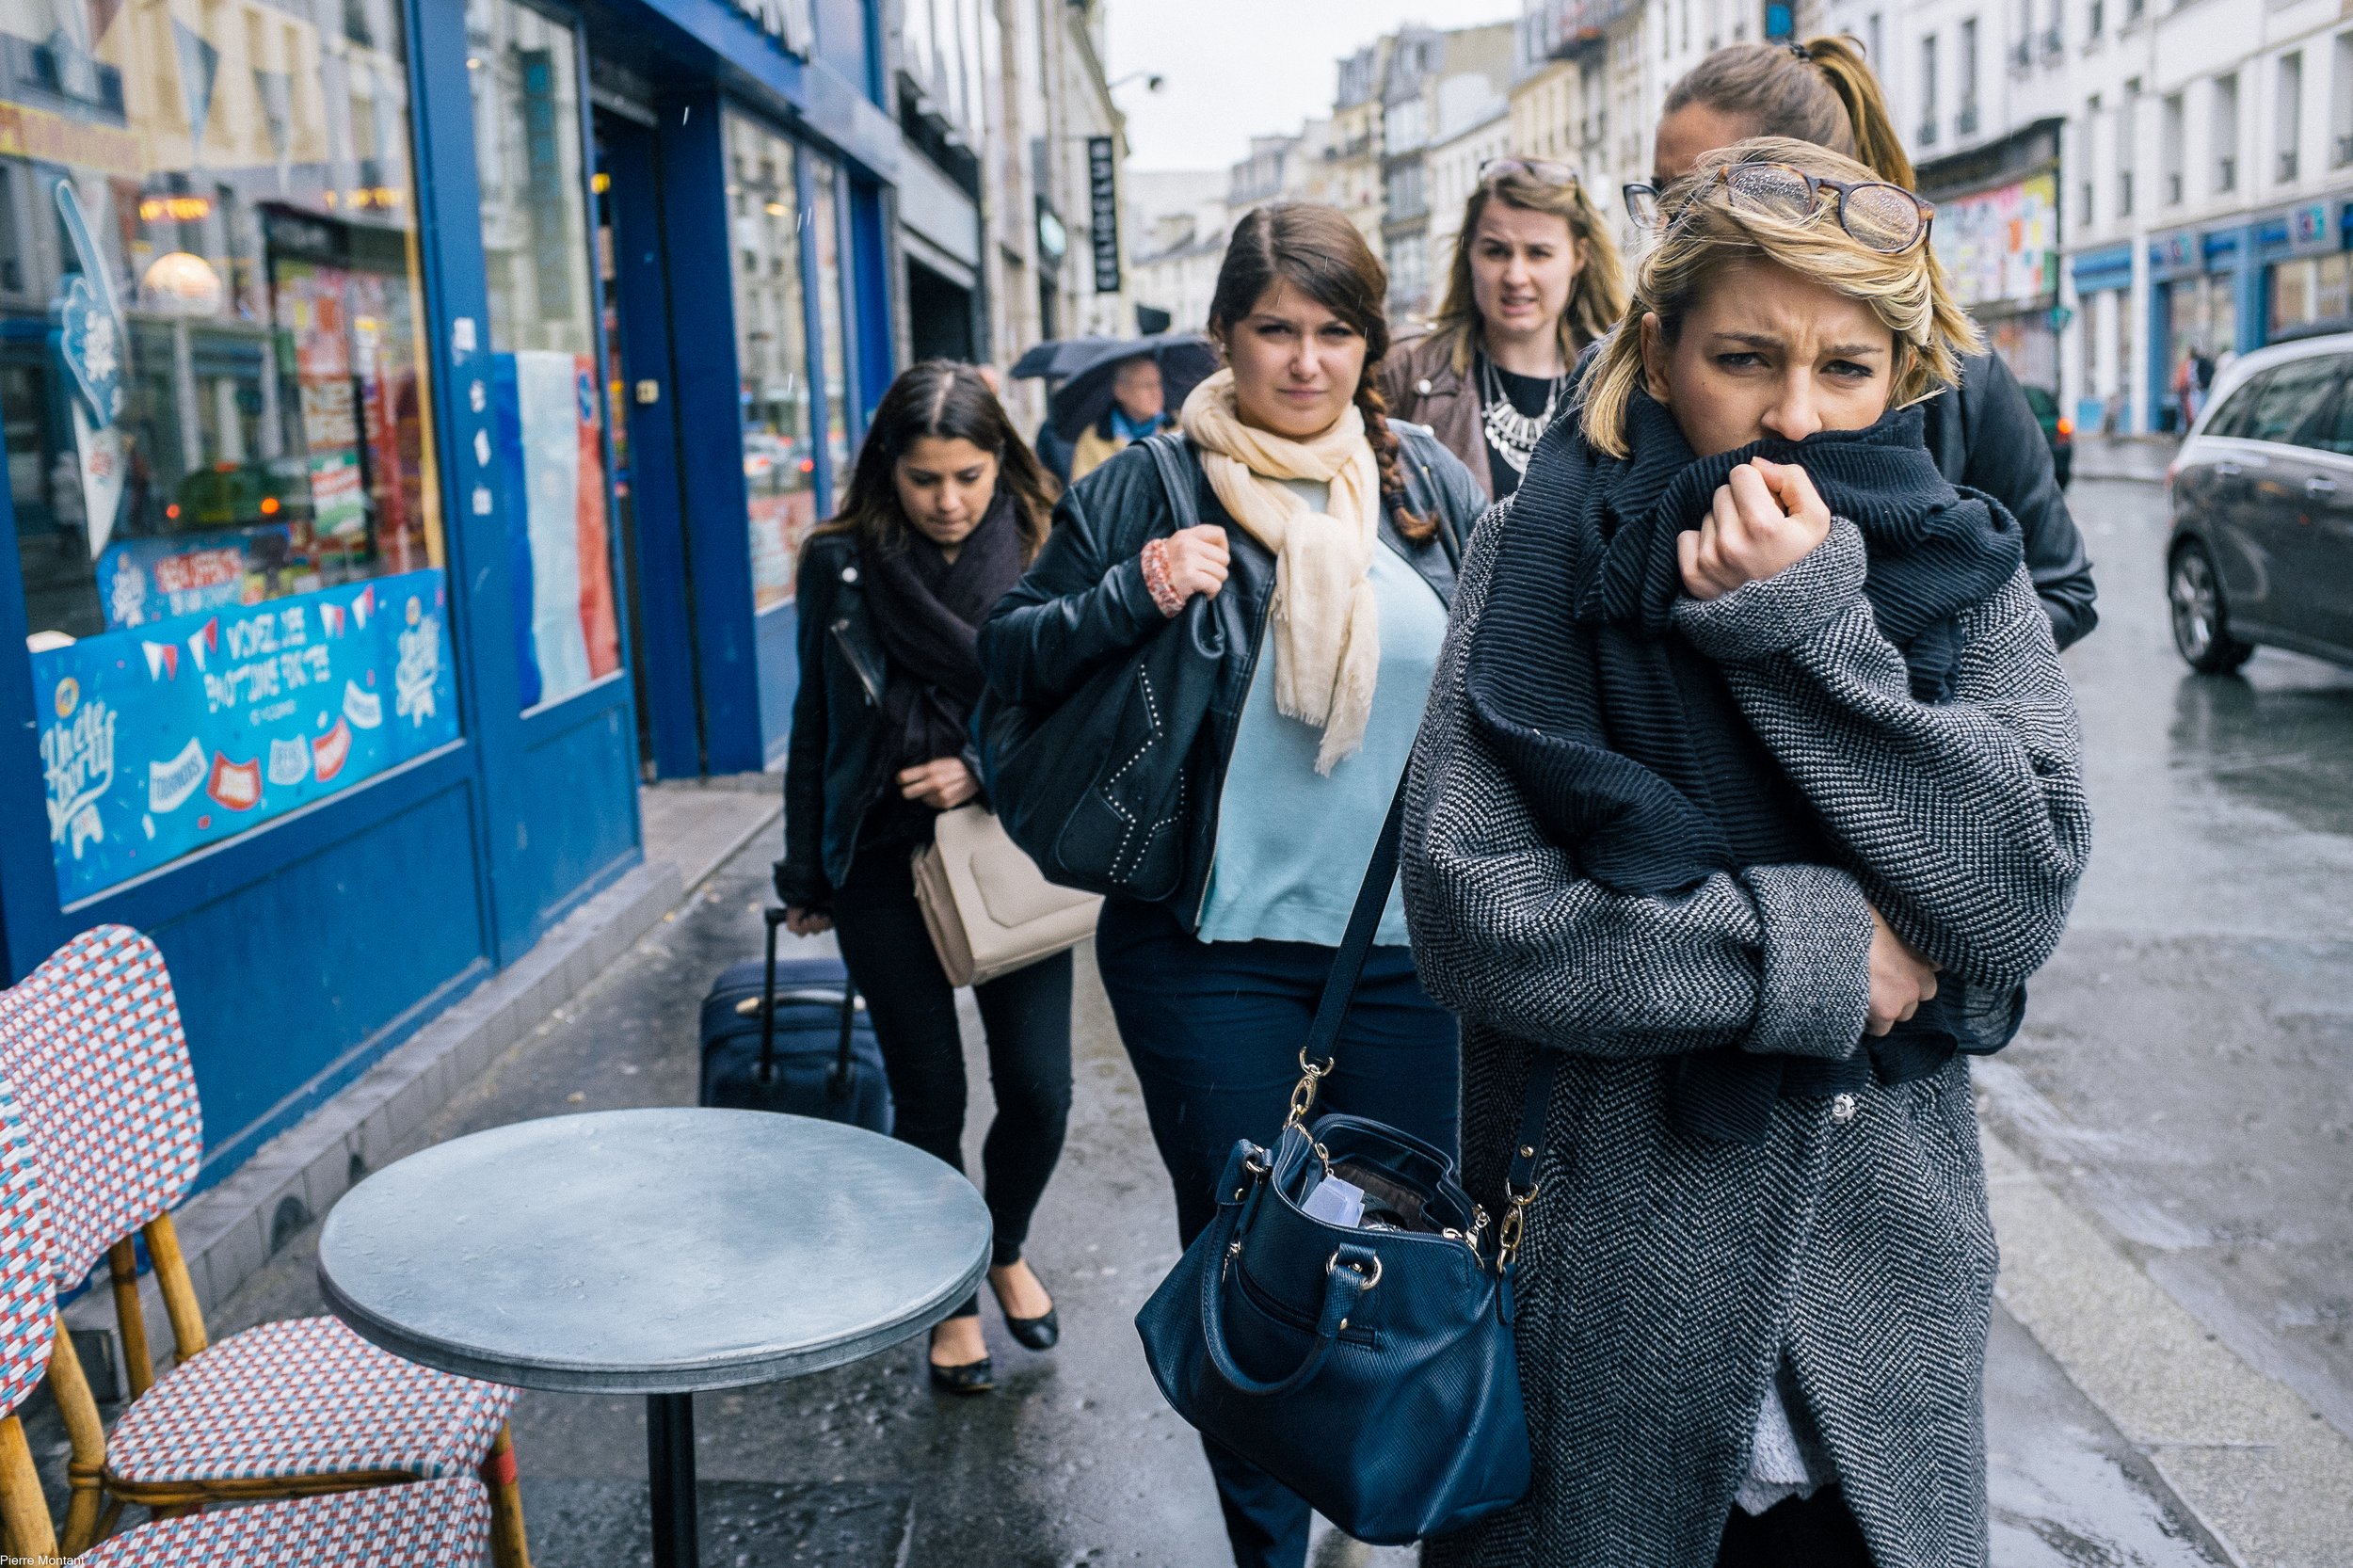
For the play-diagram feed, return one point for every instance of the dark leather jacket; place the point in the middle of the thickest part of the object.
(1419, 381)
(829, 764)
(1983, 435)
(1084, 604)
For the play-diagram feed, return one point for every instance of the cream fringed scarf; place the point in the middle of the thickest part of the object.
(1327, 630)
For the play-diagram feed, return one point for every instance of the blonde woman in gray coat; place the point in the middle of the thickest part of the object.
(1748, 799)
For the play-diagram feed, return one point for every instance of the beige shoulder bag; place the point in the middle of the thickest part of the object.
(988, 908)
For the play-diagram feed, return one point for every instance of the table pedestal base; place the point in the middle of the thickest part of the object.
(670, 1466)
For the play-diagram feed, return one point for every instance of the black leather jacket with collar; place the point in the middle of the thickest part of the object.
(1083, 604)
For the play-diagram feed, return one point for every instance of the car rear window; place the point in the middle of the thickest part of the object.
(2278, 405)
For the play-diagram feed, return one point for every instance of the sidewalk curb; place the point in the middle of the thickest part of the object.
(2246, 1460)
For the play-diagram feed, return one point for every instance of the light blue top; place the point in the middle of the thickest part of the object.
(1291, 843)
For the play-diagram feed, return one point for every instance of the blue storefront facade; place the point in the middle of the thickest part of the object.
(412, 410)
(2238, 286)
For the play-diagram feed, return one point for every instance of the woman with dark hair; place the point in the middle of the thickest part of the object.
(1327, 546)
(1536, 279)
(944, 510)
(1750, 796)
(1982, 433)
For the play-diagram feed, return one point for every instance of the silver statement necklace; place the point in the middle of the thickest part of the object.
(1514, 435)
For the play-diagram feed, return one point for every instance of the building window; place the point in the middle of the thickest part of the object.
(547, 434)
(2225, 133)
(772, 354)
(2095, 20)
(2127, 146)
(2341, 102)
(213, 381)
(2172, 139)
(2287, 108)
(1968, 122)
(1928, 90)
(1873, 43)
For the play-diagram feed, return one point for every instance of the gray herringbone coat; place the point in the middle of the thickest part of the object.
(1665, 1275)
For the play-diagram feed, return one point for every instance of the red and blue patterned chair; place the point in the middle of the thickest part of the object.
(434, 1524)
(91, 1040)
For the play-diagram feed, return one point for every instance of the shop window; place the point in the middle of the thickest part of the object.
(547, 433)
(825, 219)
(772, 355)
(213, 397)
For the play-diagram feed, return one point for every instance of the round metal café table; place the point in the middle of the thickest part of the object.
(656, 1253)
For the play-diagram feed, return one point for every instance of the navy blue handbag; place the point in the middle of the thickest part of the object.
(1369, 1368)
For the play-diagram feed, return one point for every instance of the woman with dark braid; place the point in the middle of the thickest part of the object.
(1327, 545)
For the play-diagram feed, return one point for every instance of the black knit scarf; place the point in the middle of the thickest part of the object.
(1626, 739)
(927, 611)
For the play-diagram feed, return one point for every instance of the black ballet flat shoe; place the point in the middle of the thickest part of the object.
(1038, 1334)
(971, 1377)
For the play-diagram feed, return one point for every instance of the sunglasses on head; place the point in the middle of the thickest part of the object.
(1542, 170)
(1879, 216)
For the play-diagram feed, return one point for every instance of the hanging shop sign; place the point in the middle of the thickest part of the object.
(1103, 211)
(185, 730)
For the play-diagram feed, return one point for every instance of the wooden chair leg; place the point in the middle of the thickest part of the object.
(508, 1548)
(87, 1464)
(26, 1512)
(138, 1364)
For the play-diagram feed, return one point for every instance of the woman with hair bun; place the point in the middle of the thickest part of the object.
(1748, 797)
(1326, 548)
(1983, 433)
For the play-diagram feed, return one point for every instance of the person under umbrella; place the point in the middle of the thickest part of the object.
(1139, 408)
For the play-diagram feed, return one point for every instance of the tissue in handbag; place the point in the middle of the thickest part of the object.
(988, 908)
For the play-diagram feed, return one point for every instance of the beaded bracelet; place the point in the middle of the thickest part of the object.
(1156, 580)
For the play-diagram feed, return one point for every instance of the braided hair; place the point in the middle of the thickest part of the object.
(1317, 251)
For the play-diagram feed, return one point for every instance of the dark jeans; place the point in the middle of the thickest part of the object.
(1797, 1532)
(1214, 1031)
(1027, 1017)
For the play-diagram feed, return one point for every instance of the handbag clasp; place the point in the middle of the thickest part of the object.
(1513, 1224)
(1303, 1091)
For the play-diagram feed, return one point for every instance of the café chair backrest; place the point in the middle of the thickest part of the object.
(29, 1322)
(29, 1284)
(91, 1040)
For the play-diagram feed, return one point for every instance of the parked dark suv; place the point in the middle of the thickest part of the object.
(2262, 546)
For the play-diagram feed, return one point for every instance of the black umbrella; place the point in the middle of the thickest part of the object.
(1055, 357)
(1186, 360)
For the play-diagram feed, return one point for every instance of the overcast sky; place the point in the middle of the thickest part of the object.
(1236, 68)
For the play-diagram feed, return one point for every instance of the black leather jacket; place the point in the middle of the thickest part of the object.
(1083, 604)
(829, 780)
(1983, 435)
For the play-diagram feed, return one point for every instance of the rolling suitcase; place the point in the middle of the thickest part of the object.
(793, 1037)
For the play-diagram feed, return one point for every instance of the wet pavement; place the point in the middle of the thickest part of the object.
(2186, 1067)
(2182, 1077)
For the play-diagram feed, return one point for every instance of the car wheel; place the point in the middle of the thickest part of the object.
(2200, 624)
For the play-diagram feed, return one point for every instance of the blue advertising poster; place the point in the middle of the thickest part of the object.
(187, 730)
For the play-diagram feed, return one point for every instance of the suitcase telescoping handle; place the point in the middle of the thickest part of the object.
(838, 1082)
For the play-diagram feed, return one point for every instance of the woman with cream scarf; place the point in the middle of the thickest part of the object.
(1326, 548)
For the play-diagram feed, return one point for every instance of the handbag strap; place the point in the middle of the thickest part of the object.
(1177, 477)
(1316, 1058)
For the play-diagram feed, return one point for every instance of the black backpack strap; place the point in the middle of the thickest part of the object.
(1178, 476)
